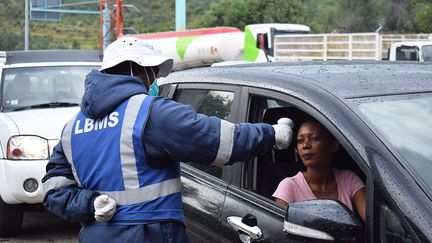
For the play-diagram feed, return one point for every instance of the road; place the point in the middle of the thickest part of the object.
(42, 227)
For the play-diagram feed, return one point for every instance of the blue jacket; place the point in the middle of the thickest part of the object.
(172, 133)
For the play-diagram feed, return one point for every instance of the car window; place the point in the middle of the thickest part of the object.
(427, 53)
(217, 103)
(405, 123)
(262, 175)
(210, 102)
(407, 53)
(388, 226)
(276, 165)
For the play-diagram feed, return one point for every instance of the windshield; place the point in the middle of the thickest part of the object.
(427, 53)
(27, 87)
(407, 125)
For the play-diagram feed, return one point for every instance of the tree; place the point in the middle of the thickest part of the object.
(10, 41)
(154, 16)
(423, 19)
(320, 15)
(356, 16)
(216, 106)
(238, 13)
(76, 45)
(399, 16)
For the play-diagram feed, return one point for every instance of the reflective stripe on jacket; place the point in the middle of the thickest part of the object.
(107, 155)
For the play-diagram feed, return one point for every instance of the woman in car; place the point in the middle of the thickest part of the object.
(315, 147)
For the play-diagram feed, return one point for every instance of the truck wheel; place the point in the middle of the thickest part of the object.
(11, 218)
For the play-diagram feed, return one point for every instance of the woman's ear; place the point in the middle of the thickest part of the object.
(296, 156)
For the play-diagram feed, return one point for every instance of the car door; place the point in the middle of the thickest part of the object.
(204, 187)
(249, 213)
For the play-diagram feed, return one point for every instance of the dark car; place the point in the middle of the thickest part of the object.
(380, 112)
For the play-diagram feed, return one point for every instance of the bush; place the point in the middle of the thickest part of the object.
(10, 41)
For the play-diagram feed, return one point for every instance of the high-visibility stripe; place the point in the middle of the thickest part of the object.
(132, 194)
(67, 146)
(146, 193)
(226, 143)
(127, 155)
(57, 182)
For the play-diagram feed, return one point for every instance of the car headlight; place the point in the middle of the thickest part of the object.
(27, 147)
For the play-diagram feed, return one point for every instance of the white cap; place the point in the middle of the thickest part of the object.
(137, 50)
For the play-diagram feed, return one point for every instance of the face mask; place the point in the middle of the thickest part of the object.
(154, 89)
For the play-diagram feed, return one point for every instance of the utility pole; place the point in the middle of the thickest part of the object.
(105, 33)
(119, 18)
(26, 26)
(180, 13)
(111, 18)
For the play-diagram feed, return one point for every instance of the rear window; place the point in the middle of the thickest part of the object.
(407, 53)
(427, 53)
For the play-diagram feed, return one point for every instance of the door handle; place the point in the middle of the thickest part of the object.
(253, 232)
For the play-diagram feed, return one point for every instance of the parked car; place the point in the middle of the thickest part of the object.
(380, 112)
(40, 92)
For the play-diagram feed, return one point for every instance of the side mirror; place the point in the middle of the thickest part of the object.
(262, 41)
(327, 220)
(262, 44)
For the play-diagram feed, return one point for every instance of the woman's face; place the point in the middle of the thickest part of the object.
(315, 145)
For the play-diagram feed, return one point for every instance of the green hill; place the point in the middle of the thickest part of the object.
(81, 31)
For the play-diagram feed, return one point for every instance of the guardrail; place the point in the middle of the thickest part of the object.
(344, 46)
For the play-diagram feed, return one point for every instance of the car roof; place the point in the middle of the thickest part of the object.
(413, 43)
(348, 79)
(37, 56)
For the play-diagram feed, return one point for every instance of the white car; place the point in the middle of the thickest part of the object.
(40, 92)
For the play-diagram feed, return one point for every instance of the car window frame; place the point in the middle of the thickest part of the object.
(370, 178)
(228, 171)
(306, 106)
(383, 198)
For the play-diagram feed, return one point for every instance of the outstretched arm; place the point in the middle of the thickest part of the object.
(200, 138)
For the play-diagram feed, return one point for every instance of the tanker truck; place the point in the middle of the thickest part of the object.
(203, 47)
(275, 42)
